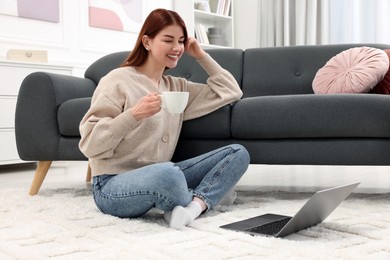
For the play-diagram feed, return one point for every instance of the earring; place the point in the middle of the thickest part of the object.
(147, 48)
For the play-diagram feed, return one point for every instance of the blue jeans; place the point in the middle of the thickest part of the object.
(167, 185)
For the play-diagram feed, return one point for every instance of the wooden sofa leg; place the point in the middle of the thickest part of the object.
(89, 174)
(39, 176)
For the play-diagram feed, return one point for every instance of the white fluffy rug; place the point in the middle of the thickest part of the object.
(65, 224)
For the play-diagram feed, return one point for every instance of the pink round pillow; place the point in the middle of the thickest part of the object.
(383, 87)
(356, 70)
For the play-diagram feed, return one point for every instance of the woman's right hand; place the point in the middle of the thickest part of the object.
(146, 106)
(193, 48)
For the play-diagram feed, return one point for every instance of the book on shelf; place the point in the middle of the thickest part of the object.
(226, 10)
(201, 34)
(223, 7)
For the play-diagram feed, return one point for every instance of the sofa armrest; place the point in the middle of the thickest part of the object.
(36, 127)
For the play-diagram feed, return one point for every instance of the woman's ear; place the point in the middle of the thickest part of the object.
(145, 42)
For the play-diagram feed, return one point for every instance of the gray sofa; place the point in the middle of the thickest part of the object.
(279, 119)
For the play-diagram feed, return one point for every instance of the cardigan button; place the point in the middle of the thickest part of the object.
(164, 138)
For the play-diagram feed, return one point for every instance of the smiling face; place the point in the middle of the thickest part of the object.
(167, 47)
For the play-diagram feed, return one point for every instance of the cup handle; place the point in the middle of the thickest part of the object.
(162, 103)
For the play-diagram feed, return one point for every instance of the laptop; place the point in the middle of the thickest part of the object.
(313, 212)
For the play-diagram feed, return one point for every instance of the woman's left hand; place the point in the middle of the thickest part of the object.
(193, 48)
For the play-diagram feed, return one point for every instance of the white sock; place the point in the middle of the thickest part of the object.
(228, 199)
(180, 216)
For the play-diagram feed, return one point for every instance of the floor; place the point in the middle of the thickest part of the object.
(374, 179)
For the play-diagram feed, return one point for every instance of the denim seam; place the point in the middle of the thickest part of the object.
(218, 173)
(126, 195)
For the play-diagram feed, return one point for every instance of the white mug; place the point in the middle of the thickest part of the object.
(174, 101)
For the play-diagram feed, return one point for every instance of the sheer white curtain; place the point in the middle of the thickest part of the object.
(293, 22)
(361, 21)
(308, 22)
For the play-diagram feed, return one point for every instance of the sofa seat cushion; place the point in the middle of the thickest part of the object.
(312, 116)
(70, 114)
(215, 125)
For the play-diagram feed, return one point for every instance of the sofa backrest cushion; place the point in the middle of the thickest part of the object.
(287, 70)
(229, 59)
(105, 64)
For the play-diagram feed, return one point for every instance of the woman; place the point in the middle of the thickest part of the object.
(130, 140)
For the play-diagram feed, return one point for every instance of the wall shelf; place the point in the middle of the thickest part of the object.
(193, 17)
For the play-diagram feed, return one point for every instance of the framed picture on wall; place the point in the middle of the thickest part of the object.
(44, 10)
(119, 15)
(113, 25)
(35, 23)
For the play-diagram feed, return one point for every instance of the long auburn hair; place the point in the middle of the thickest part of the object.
(156, 21)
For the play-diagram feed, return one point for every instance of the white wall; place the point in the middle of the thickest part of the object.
(71, 41)
(246, 23)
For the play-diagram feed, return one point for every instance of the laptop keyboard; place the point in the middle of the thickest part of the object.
(271, 228)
